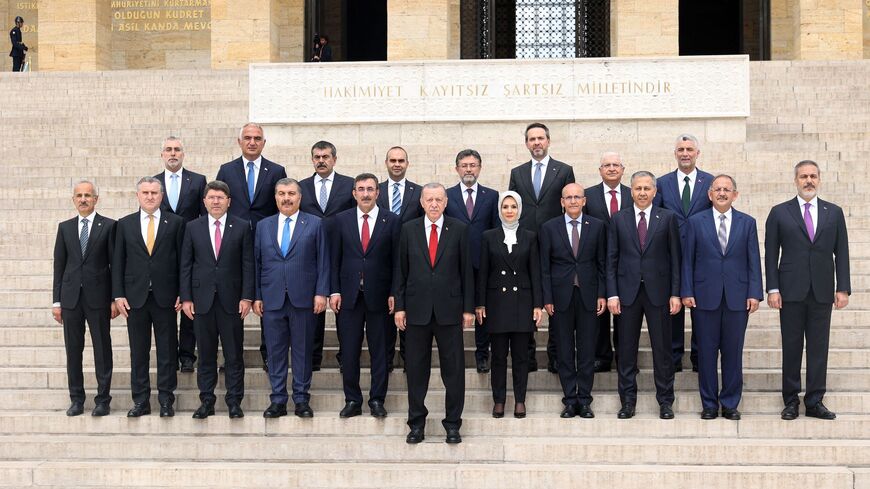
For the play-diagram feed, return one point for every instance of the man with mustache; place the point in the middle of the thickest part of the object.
(806, 247)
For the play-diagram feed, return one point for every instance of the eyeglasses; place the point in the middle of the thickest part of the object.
(721, 189)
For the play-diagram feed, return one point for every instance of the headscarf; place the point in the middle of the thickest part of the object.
(510, 228)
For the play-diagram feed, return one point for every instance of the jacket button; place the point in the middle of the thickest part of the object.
(504, 289)
(503, 272)
(515, 289)
(515, 273)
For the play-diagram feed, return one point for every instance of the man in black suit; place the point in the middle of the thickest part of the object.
(184, 195)
(19, 50)
(572, 275)
(602, 202)
(401, 197)
(325, 194)
(362, 241)
(252, 179)
(434, 284)
(475, 206)
(806, 247)
(539, 182)
(82, 292)
(217, 290)
(643, 280)
(145, 286)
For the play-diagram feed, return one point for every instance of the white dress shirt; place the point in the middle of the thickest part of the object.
(373, 217)
(427, 227)
(391, 190)
(257, 164)
(143, 224)
(211, 228)
(90, 223)
(281, 218)
(637, 215)
(570, 227)
(681, 181)
(329, 180)
(728, 222)
(545, 161)
(814, 210)
(465, 192)
(607, 197)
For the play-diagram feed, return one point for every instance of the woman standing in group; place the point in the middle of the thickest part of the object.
(509, 300)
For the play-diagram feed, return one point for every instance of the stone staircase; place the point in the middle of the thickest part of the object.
(109, 127)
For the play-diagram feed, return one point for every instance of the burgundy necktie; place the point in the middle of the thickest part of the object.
(217, 239)
(365, 232)
(614, 207)
(469, 203)
(641, 230)
(433, 244)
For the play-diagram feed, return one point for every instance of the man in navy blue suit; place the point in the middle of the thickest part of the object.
(721, 282)
(684, 192)
(185, 191)
(475, 206)
(251, 179)
(361, 242)
(325, 194)
(291, 262)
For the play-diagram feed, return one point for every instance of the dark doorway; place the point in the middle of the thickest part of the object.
(357, 30)
(710, 27)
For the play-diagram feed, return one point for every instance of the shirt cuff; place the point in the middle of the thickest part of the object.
(56, 304)
(773, 291)
(614, 297)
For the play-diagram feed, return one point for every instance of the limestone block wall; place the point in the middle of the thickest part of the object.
(828, 29)
(644, 28)
(422, 30)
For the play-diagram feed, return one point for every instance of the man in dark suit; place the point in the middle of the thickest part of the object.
(184, 195)
(434, 283)
(721, 282)
(475, 206)
(291, 261)
(643, 280)
(401, 197)
(19, 50)
(325, 194)
(602, 202)
(217, 290)
(252, 178)
(539, 182)
(684, 192)
(82, 292)
(572, 274)
(806, 248)
(362, 241)
(145, 286)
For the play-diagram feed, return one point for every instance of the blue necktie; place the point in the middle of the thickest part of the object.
(251, 181)
(83, 237)
(173, 192)
(323, 200)
(396, 207)
(285, 237)
(536, 180)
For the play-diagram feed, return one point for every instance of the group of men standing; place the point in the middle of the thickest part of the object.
(255, 240)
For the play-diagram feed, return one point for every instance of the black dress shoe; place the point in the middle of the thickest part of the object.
(710, 413)
(695, 367)
(666, 412)
(482, 367)
(820, 411)
(626, 411)
(551, 367)
(266, 367)
(732, 414)
(533, 366)
(377, 409)
(187, 366)
(498, 410)
(315, 368)
(235, 411)
(678, 367)
(569, 412)
(600, 366)
(166, 410)
(585, 411)
(351, 409)
(139, 410)
(75, 409)
(453, 436)
(303, 410)
(415, 436)
(790, 412)
(275, 410)
(520, 410)
(205, 410)
(101, 409)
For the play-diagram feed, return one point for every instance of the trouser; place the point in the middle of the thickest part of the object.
(139, 324)
(720, 331)
(211, 327)
(518, 345)
(289, 328)
(74, 341)
(577, 333)
(352, 325)
(797, 320)
(451, 355)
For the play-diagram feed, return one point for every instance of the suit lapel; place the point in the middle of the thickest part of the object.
(407, 196)
(712, 231)
(696, 193)
(822, 217)
(298, 231)
(737, 224)
(563, 232)
(455, 198)
(553, 169)
(376, 232)
(273, 233)
(794, 211)
(333, 194)
(525, 179)
(162, 177)
(239, 168)
(185, 187)
(262, 177)
(674, 188)
(228, 233)
(442, 242)
(651, 225)
(423, 241)
(94, 235)
(482, 193)
(161, 232)
(584, 228)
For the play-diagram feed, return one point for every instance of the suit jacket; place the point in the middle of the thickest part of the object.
(229, 278)
(558, 263)
(134, 272)
(509, 284)
(658, 266)
(538, 211)
(484, 216)
(89, 275)
(302, 274)
(235, 175)
(668, 196)
(190, 195)
(708, 273)
(598, 204)
(447, 289)
(340, 196)
(18, 48)
(793, 264)
(374, 266)
(411, 208)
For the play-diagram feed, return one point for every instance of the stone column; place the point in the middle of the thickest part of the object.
(828, 29)
(243, 33)
(644, 28)
(75, 35)
(422, 30)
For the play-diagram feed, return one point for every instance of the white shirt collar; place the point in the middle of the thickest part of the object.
(568, 218)
(638, 209)
(144, 215)
(607, 189)
(373, 214)
(682, 176)
(222, 219)
(439, 223)
(401, 182)
(330, 177)
(545, 161)
(256, 162)
(168, 174)
(293, 216)
(465, 188)
(727, 213)
(89, 217)
(814, 202)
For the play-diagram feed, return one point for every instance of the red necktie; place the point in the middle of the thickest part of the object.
(365, 232)
(217, 239)
(433, 244)
(614, 207)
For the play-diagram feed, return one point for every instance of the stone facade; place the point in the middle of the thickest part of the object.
(644, 28)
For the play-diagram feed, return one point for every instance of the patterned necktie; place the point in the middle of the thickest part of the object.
(808, 220)
(285, 237)
(687, 196)
(250, 181)
(365, 233)
(723, 233)
(469, 203)
(323, 198)
(149, 234)
(536, 180)
(614, 206)
(83, 236)
(433, 244)
(396, 205)
(173, 192)
(641, 230)
(217, 239)
(575, 246)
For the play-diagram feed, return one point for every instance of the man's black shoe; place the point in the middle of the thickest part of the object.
(377, 409)
(101, 409)
(820, 411)
(626, 411)
(303, 410)
(205, 410)
(415, 436)
(482, 367)
(351, 409)
(139, 410)
(186, 366)
(585, 411)
(75, 409)
(235, 411)
(551, 367)
(275, 410)
(732, 414)
(710, 413)
(453, 436)
(666, 412)
(166, 410)
(569, 412)
(790, 412)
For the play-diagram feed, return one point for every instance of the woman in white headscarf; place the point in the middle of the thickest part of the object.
(510, 299)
